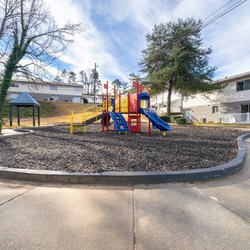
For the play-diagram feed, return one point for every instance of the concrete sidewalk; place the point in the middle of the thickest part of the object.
(205, 215)
(10, 131)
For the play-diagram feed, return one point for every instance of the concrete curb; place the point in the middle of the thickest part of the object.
(129, 178)
(15, 132)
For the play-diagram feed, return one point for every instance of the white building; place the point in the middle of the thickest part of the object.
(230, 105)
(49, 91)
(90, 98)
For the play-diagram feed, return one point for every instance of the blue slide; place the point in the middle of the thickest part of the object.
(155, 119)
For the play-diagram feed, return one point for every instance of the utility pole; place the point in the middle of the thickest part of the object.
(95, 76)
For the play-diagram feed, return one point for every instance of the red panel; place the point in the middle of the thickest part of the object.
(134, 123)
(132, 102)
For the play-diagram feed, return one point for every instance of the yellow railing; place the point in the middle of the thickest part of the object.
(71, 122)
(91, 112)
(88, 113)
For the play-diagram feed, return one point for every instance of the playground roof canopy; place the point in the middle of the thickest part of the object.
(24, 99)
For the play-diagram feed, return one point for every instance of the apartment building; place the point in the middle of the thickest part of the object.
(90, 98)
(229, 105)
(49, 91)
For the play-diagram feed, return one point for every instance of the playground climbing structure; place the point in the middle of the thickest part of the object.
(133, 103)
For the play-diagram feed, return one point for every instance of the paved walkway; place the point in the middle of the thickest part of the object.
(207, 215)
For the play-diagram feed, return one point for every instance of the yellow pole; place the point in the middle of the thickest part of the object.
(84, 120)
(96, 114)
(71, 122)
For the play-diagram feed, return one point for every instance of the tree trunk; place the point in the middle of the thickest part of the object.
(170, 88)
(4, 90)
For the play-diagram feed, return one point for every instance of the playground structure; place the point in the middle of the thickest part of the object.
(134, 103)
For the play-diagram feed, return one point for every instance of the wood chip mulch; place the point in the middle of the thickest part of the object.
(186, 147)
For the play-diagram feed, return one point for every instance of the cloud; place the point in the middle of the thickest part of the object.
(229, 37)
(88, 47)
(114, 32)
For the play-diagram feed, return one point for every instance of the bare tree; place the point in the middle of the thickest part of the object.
(8, 8)
(29, 32)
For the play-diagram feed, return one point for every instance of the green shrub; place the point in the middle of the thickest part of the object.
(165, 118)
(181, 121)
(173, 118)
(85, 100)
(46, 109)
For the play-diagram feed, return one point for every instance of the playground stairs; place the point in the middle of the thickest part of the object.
(119, 122)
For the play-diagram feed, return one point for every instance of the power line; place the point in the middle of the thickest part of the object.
(224, 13)
(179, 39)
(218, 9)
(235, 5)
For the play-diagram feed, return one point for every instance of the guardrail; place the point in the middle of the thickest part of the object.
(236, 118)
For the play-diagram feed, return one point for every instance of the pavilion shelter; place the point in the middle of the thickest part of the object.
(25, 100)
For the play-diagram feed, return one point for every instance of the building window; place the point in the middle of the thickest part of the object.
(53, 87)
(247, 84)
(244, 108)
(215, 109)
(243, 85)
(54, 98)
(240, 86)
(15, 85)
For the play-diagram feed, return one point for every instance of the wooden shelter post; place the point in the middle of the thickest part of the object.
(18, 115)
(34, 116)
(11, 115)
(38, 112)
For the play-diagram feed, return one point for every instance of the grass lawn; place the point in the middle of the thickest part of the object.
(51, 113)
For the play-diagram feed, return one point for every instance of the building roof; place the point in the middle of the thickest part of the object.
(24, 99)
(234, 78)
(26, 81)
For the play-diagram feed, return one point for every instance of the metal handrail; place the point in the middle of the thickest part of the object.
(88, 112)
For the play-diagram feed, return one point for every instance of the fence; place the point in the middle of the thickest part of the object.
(236, 118)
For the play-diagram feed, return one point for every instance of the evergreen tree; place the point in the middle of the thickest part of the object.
(58, 79)
(117, 82)
(175, 59)
(72, 77)
(120, 84)
(82, 76)
(64, 74)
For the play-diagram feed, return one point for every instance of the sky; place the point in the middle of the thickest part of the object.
(113, 33)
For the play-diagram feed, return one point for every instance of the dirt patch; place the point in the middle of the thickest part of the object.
(186, 147)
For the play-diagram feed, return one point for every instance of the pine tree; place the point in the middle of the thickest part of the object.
(64, 74)
(72, 77)
(175, 59)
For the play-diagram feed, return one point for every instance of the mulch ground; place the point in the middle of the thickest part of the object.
(186, 147)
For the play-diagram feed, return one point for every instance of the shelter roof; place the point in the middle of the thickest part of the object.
(24, 99)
